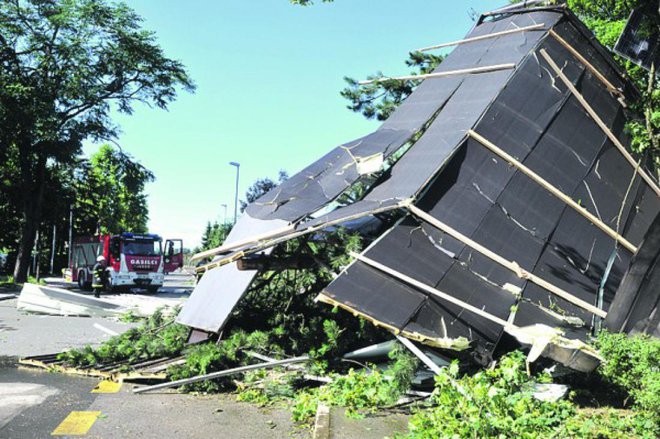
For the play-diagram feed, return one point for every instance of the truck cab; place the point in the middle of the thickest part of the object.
(134, 260)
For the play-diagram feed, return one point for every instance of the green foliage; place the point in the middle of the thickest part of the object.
(359, 391)
(632, 365)
(208, 357)
(34, 280)
(283, 302)
(7, 282)
(608, 423)
(498, 403)
(130, 317)
(490, 403)
(378, 100)
(214, 235)
(157, 337)
(266, 387)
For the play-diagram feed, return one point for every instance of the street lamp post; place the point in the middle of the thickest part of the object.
(238, 166)
(225, 217)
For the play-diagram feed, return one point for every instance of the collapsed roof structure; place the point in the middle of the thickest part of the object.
(523, 206)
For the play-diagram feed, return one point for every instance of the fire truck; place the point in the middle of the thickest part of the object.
(134, 260)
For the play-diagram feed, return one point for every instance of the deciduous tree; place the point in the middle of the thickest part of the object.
(110, 195)
(64, 64)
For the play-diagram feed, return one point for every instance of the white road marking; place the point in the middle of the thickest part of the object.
(104, 329)
(17, 397)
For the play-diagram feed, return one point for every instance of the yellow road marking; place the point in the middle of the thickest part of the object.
(76, 424)
(106, 386)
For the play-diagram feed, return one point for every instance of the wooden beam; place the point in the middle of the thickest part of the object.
(519, 5)
(472, 70)
(554, 191)
(268, 262)
(237, 244)
(587, 64)
(511, 265)
(483, 37)
(295, 234)
(600, 122)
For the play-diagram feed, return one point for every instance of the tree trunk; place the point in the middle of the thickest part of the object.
(33, 189)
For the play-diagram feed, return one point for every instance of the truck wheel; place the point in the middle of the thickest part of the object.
(152, 289)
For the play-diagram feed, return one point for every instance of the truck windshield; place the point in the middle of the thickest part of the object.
(142, 248)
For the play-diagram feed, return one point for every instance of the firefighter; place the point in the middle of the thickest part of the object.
(100, 276)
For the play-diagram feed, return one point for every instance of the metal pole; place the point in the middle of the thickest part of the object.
(214, 375)
(35, 258)
(70, 233)
(225, 218)
(52, 252)
(238, 167)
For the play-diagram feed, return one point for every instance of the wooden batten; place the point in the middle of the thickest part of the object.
(473, 70)
(483, 37)
(511, 265)
(647, 178)
(587, 64)
(422, 286)
(554, 191)
(266, 243)
(234, 245)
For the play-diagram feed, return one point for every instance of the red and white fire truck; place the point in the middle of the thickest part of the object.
(134, 260)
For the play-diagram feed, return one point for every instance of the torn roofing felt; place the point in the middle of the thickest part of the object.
(523, 210)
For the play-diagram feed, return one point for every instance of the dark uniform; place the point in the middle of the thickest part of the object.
(100, 278)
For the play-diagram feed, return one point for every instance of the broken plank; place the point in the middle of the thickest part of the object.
(483, 37)
(600, 122)
(473, 70)
(243, 242)
(554, 191)
(297, 233)
(587, 64)
(419, 354)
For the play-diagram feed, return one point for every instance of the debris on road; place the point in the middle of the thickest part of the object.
(7, 296)
(57, 301)
(117, 372)
(42, 299)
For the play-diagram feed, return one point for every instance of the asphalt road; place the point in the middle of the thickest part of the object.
(24, 335)
(34, 403)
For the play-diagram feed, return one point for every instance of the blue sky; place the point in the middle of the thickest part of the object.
(268, 77)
